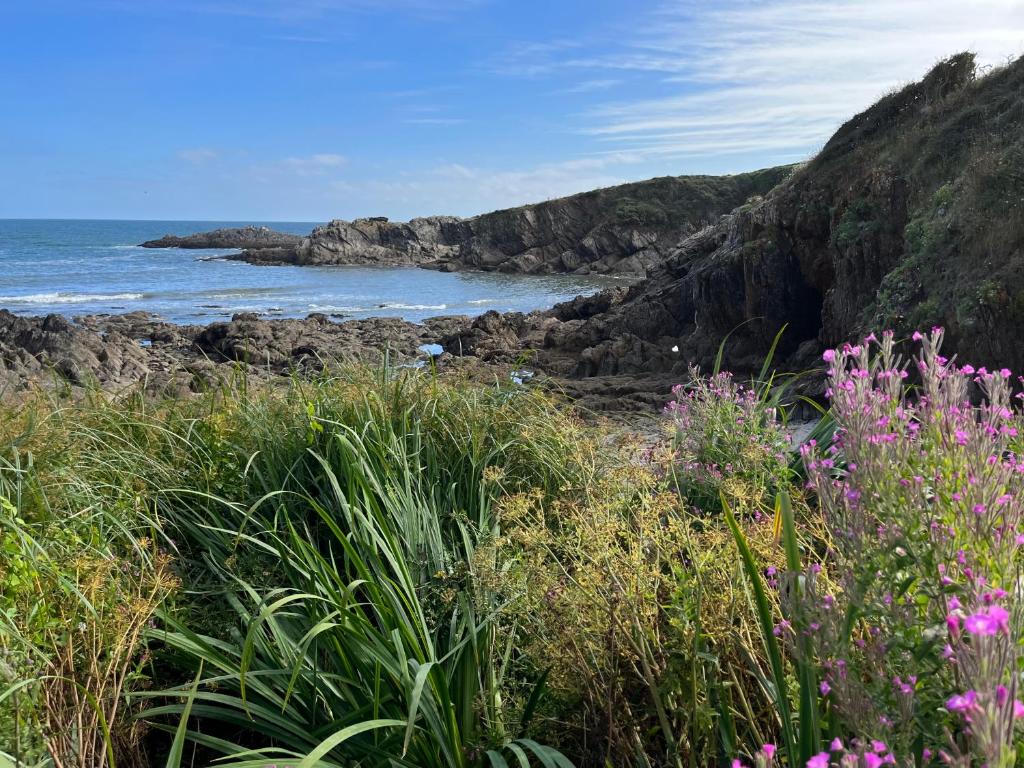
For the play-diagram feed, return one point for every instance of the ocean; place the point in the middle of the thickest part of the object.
(81, 267)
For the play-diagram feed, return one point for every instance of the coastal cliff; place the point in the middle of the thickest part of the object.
(627, 229)
(911, 216)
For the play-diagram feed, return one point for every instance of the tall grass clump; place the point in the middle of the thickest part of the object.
(353, 626)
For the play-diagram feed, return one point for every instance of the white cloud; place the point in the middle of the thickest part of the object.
(197, 155)
(587, 86)
(775, 77)
(313, 165)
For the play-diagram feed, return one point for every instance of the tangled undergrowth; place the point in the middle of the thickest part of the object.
(394, 569)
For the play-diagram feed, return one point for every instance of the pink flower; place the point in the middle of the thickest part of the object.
(837, 745)
(824, 688)
(871, 760)
(962, 702)
(768, 750)
(988, 621)
(1018, 709)
(917, 336)
(953, 624)
(820, 760)
(829, 355)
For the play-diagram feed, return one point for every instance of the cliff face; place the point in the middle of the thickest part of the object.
(626, 229)
(911, 216)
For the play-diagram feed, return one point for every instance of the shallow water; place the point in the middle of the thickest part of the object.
(79, 267)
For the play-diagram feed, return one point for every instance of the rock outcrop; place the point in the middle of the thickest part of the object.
(627, 229)
(241, 237)
(32, 347)
(118, 351)
(911, 216)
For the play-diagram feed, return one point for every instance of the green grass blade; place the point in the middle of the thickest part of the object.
(178, 745)
(767, 626)
(336, 739)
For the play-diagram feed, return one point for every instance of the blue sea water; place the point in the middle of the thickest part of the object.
(80, 267)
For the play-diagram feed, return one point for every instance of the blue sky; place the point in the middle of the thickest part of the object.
(316, 109)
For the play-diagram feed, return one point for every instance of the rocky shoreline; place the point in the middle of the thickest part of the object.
(121, 351)
(137, 350)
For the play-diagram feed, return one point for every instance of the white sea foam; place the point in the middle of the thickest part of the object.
(413, 306)
(68, 298)
(334, 308)
(481, 301)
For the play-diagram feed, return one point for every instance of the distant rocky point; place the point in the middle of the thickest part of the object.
(238, 237)
(625, 230)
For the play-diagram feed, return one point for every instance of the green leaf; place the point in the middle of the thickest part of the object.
(767, 626)
(338, 738)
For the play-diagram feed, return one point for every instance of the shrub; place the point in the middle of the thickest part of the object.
(628, 593)
(728, 440)
(640, 213)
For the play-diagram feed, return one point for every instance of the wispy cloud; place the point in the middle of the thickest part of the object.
(588, 86)
(313, 165)
(465, 189)
(532, 59)
(197, 155)
(749, 76)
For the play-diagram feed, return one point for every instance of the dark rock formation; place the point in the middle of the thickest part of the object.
(117, 351)
(626, 229)
(33, 347)
(242, 237)
(911, 216)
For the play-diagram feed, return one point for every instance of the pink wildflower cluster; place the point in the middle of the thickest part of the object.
(870, 753)
(763, 758)
(982, 651)
(725, 432)
(922, 490)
